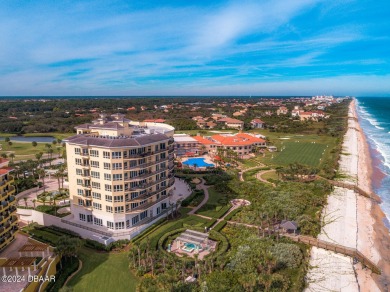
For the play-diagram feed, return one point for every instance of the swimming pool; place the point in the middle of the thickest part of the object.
(189, 247)
(198, 161)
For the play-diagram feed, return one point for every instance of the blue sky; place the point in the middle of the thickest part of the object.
(280, 47)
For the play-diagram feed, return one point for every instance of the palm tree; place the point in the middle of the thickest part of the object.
(38, 156)
(41, 172)
(43, 199)
(50, 152)
(58, 176)
(34, 201)
(12, 156)
(4, 155)
(34, 144)
(25, 201)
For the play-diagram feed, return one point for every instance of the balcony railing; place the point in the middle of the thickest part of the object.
(148, 204)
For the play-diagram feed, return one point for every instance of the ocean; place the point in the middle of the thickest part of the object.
(374, 118)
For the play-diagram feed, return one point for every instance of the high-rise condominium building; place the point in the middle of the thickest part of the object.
(120, 173)
(8, 219)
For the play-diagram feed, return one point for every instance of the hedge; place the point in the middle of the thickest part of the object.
(149, 230)
(62, 275)
(220, 225)
(223, 244)
(232, 213)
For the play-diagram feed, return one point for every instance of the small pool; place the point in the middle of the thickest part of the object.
(198, 162)
(189, 247)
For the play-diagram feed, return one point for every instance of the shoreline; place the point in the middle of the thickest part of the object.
(353, 221)
(379, 237)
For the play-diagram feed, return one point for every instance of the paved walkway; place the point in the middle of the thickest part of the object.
(259, 174)
(74, 273)
(31, 194)
(205, 188)
(241, 173)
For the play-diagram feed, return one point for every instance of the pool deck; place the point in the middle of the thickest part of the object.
(201, 254)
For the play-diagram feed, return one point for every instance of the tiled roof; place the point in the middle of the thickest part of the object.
(203, 140)
(231, 121)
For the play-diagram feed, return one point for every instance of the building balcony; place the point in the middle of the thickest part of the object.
(145, 175)
(150, 184)
(147, 205)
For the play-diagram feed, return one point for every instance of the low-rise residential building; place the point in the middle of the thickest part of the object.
(232, 123)
(241, 143)
(185, 145)
(282, 111)
(257, 124)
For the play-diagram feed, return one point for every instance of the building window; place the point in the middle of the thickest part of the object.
(110, 225)
(134, 205)
(80, 192)
(78, 161)
(94, 153)
(107, 176)
(81, 202)
(97, 196)
(108, 188)
(106, 154)
(98, 222)
(109, 209)
(118, 188)
(144, 214)
(162, 146)
(108, 198)
(117, 166)
(77, 151)
(95, 174)
(117, 176)
(120, 225)
(94, 164)
(135, 220)
(97, 206)
(116, 154)
(118, 199)
(79, 181)
(82, 217)
(119, 209)
(79, 171)
(107, 165)
(133, 163)
(96, 185)
(134, 195)
(163, 206)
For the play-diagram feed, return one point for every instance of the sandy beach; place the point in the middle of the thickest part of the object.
(353, 221)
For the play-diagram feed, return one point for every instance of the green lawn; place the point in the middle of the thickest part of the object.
(301, 152)
(216, 206)
(25, 150)
(103, 272)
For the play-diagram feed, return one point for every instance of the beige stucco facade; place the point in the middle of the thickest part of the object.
(120, 172)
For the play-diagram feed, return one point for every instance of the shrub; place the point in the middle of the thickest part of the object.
(287, 255)
(223, 244)
(96, 245)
